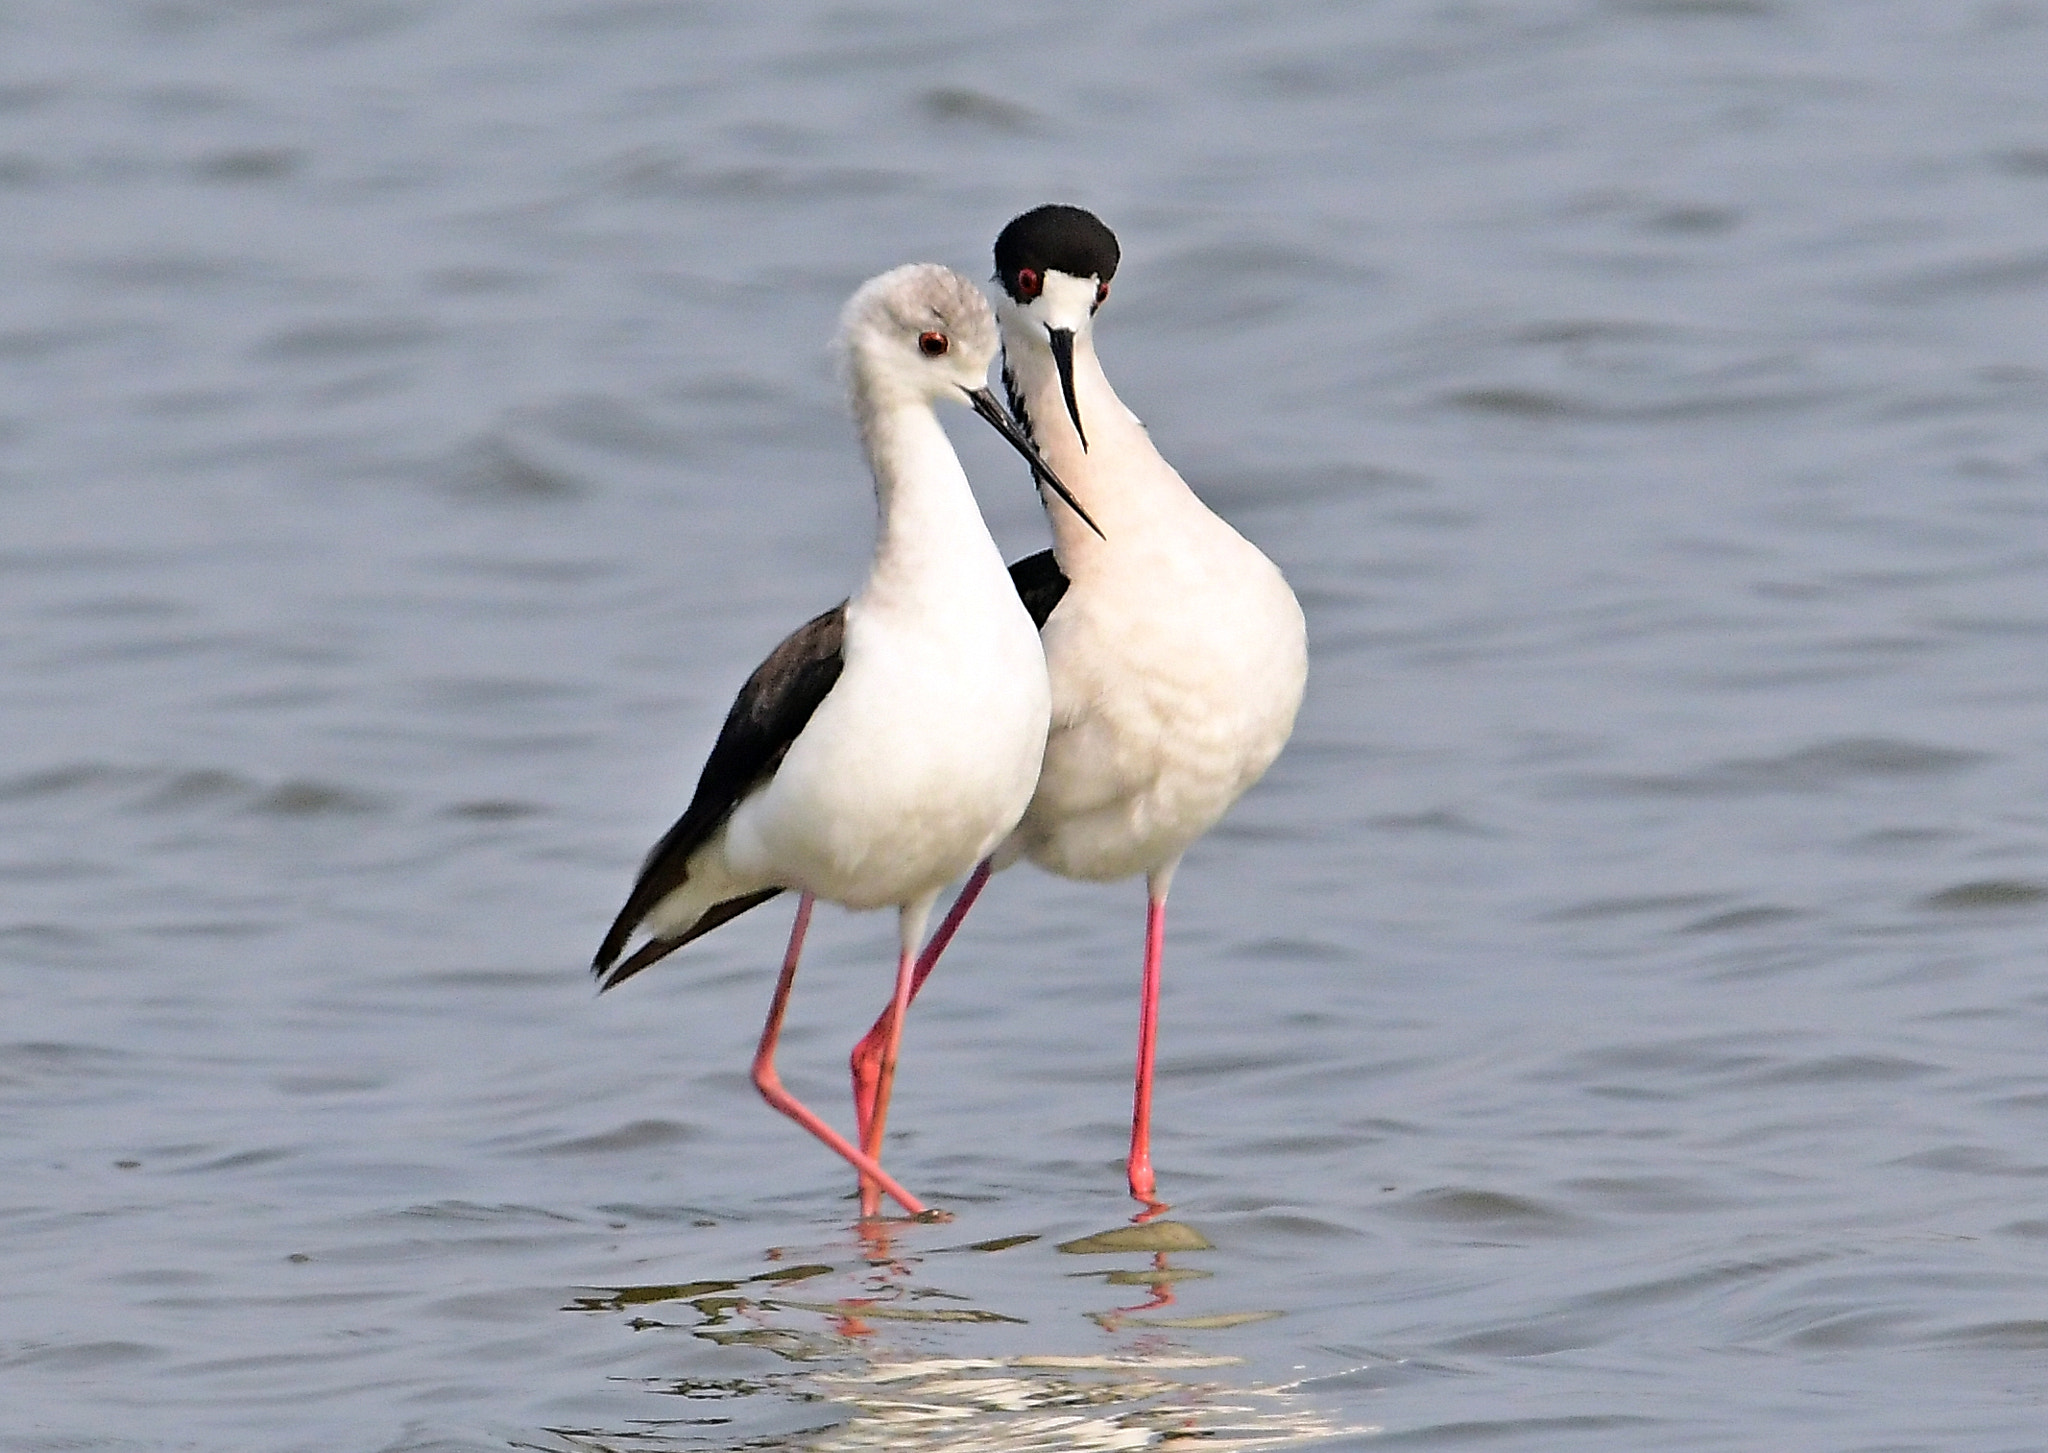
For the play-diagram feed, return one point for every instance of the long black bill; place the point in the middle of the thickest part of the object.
(1062, 340)
(985, 405)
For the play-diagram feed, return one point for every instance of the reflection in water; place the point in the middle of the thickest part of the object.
(1149, 1236)
(1160, 1277)
(868, 1393)
(1067, 1403)
(1159, 1238)
(976, 1403)
(993, 1403)
(1626, 999)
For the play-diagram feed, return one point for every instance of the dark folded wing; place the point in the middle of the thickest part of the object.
(1040, 583)
(772, 708)
(656, 949)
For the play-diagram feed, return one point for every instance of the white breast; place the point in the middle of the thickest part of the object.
(917, 764)
(1176, 671)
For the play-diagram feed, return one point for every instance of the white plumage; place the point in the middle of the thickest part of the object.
(928, 747)
(1178, 654)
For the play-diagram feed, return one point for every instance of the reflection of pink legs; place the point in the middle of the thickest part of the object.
(1140, 1165)
(770, 1084)
(867, 1055)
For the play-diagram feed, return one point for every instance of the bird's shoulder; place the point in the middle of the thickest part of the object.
(769, 713)
(1041, 585)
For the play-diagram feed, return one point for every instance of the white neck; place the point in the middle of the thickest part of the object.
(930, 533)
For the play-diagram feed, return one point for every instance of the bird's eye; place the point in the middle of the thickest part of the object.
(933, 345)
(1029, 283)
(1101, 295)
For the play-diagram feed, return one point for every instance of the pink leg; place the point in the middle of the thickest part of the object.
(770, 1084)
(1140, 1165)
(885, 1083)
(868, 1090)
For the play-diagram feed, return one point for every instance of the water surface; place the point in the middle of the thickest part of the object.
(1616, 1022)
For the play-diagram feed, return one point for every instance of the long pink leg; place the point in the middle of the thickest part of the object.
(770, 1084)
(868, 1088)
(1143, 1184)
(885, 1084)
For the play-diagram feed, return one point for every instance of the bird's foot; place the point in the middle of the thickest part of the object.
(1139, 1171)
(872, 1221)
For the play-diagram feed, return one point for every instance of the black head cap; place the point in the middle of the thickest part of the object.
(1067, 239)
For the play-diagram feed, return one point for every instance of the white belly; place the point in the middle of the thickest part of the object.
(919, 762)
(1170, 698)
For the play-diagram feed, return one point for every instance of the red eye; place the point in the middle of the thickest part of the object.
(1101, 295)
(1029, 283)
(933, 345)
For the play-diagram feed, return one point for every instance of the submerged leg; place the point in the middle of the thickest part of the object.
(1139, 1167)
(770, 1084)
(867, 1055)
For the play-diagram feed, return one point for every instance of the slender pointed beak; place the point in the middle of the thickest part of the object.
(1062, 340)
(984, 403)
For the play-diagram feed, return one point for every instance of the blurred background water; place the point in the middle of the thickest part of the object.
(1616, 1022)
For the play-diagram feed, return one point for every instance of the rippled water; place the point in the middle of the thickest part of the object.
(1616, 1022)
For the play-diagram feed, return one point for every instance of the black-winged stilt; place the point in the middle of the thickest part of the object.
(889, 744)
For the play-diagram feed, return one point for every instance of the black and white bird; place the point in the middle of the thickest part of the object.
(1177, 652)
(891, 743)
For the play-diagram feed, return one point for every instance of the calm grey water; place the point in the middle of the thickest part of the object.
(1617, 1022)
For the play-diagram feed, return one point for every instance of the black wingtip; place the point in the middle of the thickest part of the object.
(656, 949)
(615, 940)
(648, 954)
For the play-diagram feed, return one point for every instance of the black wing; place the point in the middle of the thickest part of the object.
(771, 709)
(1040, 584)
